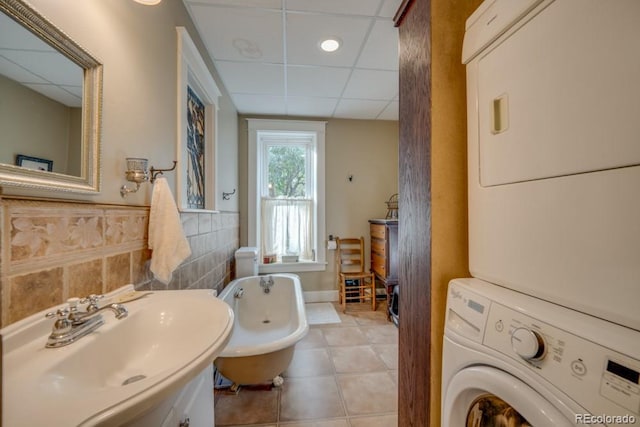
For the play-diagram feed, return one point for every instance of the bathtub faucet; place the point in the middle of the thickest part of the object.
(266, 284)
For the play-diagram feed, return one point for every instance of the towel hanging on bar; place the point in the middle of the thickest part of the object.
(166, 235)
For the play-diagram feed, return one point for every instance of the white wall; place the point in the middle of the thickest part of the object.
(137, 45)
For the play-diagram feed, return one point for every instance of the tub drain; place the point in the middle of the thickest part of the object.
(133, 379)
(266, 321)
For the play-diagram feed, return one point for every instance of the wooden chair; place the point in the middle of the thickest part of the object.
(354, 282)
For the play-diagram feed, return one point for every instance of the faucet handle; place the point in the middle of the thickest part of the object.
(62, 325)
(92, 300)
(73, 304)
(60, 313)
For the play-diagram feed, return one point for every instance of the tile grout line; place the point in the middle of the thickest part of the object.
(333, 373)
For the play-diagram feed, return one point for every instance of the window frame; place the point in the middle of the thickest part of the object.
(193, 73)
(254, 192)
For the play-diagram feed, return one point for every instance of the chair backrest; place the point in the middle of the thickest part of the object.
(350, 255)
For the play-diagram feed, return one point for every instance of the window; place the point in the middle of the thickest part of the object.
(286, 193)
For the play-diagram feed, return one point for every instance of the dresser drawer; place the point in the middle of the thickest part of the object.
(384, 250)
(379, 247)
(378, 231)
(378, 264)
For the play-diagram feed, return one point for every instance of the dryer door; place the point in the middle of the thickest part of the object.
(484, 396)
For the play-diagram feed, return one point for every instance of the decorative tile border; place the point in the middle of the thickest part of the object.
(51, 251)
(33, 235)
(126, 226)
(41, 234)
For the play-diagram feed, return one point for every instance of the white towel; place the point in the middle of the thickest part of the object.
(166, 236)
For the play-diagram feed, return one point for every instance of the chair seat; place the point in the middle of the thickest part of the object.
(356, 275)
(350, 267)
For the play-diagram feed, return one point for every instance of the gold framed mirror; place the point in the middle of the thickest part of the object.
(40, 63)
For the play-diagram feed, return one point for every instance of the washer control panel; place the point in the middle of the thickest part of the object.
(620, 383)
(599, 379)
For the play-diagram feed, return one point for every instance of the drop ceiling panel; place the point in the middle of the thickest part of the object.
(74, 90)
(306, 31)
(383, 38)
(259, 104)
(249, 77)
(359, 109)
(391, 112)
(311, 107)
(264, 4)
(240, 33)
(17, 73)
(389, 8)
(350, 7)
(28, 60)
(51, 66)
(58, 94)
(267, 54)
(14, 36)
(316, 81)
(372, 84)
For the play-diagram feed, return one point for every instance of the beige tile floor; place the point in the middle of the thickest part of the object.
(341, 375)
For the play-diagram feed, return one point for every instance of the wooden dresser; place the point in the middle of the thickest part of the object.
(384, 253)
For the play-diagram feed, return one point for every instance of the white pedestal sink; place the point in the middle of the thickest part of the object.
(117, 373)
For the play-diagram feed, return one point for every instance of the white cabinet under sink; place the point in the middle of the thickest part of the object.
(191, 406)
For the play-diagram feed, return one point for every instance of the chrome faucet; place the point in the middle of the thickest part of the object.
(72, 324)
(266, 284)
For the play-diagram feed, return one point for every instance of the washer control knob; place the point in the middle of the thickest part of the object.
(528, 344)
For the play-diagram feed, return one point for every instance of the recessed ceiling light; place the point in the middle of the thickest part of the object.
(330, 44)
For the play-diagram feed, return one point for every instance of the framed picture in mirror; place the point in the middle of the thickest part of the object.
(34, 163)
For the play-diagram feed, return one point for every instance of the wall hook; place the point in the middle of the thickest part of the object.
(227, 196)
(155, 172)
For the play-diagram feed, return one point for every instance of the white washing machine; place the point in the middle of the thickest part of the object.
(513, 360)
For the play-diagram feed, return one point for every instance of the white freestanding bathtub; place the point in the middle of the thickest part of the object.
(267, 325)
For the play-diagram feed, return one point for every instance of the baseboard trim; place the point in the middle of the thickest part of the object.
(320, 296)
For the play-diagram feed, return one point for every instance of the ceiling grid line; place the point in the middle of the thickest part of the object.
(392, 100)
(267, 54)
(284, 56)
(355, 62)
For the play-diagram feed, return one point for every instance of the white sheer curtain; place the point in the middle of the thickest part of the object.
(287, 227)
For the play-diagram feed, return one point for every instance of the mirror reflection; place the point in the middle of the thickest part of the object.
(50, 106)
(40, 103)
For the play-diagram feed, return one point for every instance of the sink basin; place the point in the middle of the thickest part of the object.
(118, 372)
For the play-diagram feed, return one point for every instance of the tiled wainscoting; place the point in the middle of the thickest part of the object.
(50, 251)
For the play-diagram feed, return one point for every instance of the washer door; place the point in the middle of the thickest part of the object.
(481, 396)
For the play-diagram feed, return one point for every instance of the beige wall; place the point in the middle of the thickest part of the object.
(137, 45)
(449, 235)
(366, 149)
(20, 109)
(74, 162)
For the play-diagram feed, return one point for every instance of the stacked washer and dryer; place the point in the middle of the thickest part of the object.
(547, 333)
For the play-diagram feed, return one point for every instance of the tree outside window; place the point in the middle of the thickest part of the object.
(286, 171)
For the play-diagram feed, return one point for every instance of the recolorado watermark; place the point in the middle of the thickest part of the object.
(605, 419)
